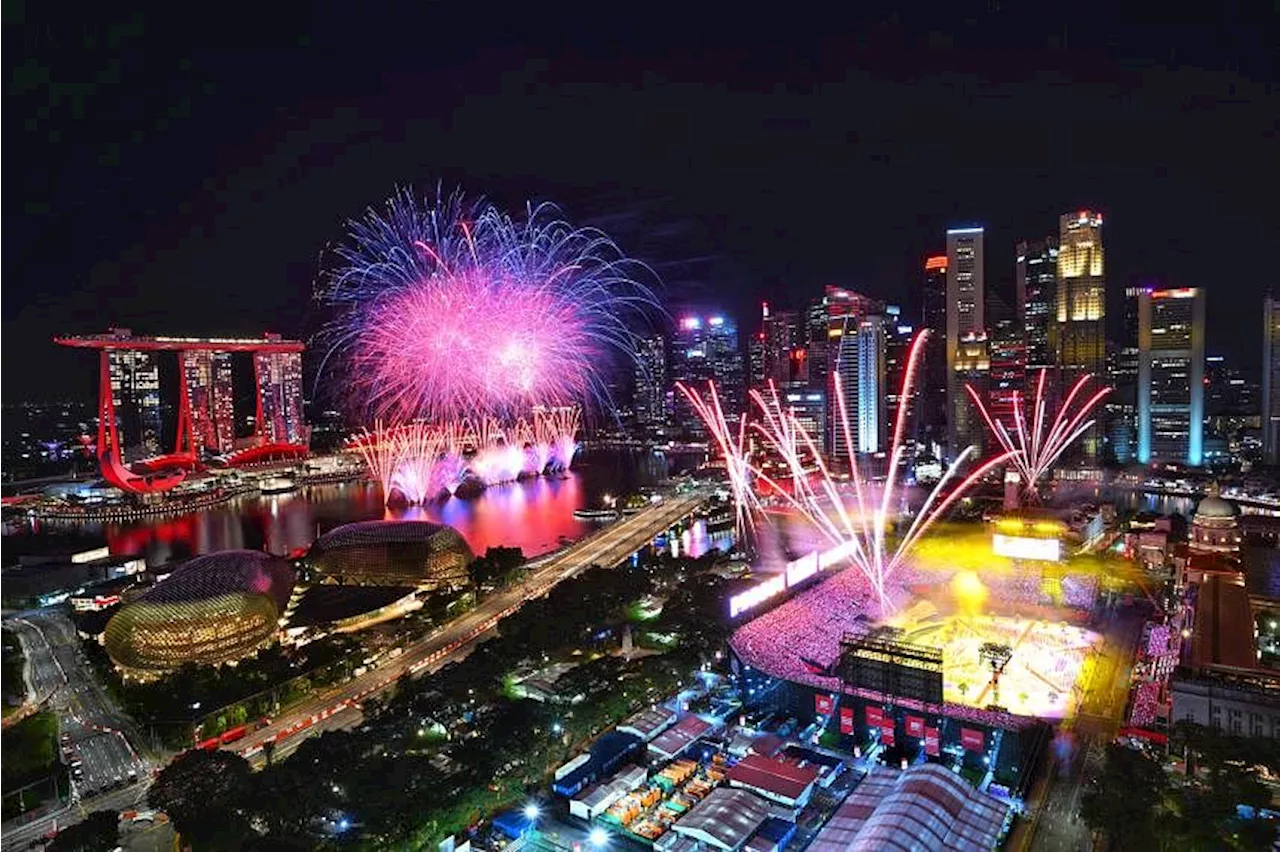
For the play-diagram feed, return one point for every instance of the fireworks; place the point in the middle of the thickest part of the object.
(860, 528)
(420, 461)
(1032, 452)
(454, 310)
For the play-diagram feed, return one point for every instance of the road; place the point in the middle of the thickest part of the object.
(338, 708)
(1056, 825)
(94, 734)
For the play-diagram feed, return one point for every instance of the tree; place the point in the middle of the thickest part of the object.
(98, 832)
(204, 793)
(1123, 802)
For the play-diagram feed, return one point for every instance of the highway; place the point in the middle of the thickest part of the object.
(93, 733)
(339, 707)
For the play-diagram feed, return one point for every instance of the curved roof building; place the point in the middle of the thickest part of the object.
(391, 553)
(213, 609)
(1215, 527)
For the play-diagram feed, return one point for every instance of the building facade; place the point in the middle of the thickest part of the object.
(135, 388)
(280, 415)
(966, 324)
(1080, 346)
(649, 393)
(1036, 278)
(933, 387)
(1271, 381)
(705, 348)
(211, 395)
(1171, 327)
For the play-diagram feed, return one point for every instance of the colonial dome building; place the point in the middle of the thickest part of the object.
(1215, 527)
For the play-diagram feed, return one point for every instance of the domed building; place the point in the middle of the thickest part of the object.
(420, 554)
(1215, 527)
(214, 609)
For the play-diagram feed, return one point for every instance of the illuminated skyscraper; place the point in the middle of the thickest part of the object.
(966, 321)
(932, 418)
(1271, 380)
(705, 348)
(212, 399)
(815, 334)
(1080, 347)
(1122, 373)
(1036, 281)
(845, 310)
(782, 338)
(1171, 376)
(873, 403)
(972, 367)
(1008, 371)
(649, 399)
(280, 415)
(135, 388)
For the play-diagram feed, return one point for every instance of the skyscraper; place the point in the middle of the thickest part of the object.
(135, 388)
(705, 348)
(1122, 372)
(211, 395)
(932, 418)
(782, 338)
(844, 311)
(1008, 371)
(873, 402)
(966, 319)
(1081, 347)
(280, 417)
(972, 367)
(649, 397)
(1171, 376)
(1037, 298)
(1271, 380)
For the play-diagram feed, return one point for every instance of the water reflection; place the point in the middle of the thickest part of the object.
(534, 515)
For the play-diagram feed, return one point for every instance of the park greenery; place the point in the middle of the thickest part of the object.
(437, 754)
(199, 701)
(1137, 803)
(29, 767)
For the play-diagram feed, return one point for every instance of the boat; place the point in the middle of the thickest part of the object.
(598, 516)
(277, 485)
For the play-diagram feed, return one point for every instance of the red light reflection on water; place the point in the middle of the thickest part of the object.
(534, 515)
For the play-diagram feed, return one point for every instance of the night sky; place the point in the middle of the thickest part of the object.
(181, 175)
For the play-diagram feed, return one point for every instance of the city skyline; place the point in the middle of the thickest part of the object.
(850, 197)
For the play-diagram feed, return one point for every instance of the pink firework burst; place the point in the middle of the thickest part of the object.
(447, 311)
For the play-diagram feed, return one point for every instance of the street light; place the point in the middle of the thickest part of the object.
(532, 811)
(599, 837)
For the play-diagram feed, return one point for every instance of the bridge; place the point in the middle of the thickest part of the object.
(340, 707)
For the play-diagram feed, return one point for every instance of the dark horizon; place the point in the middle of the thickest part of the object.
(193, 187)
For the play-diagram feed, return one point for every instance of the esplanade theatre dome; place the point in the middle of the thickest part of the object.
(213, 609)
(421, 554)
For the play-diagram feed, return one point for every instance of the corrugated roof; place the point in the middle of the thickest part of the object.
(922, 809)
(781, 777)
(725, 819)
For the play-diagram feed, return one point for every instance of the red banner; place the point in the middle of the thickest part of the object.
(886, 731)
(931, 742)
(972, 740)
(875, 716)
(822, 704)
(915, 726)
(846, 720)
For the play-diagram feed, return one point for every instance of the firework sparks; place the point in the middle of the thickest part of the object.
(1032, 451)
(859, 528)
(731, 440)
(454, 310)
(420, 462)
